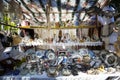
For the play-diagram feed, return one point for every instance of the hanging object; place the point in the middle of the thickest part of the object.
(1, 6)
(25, 24)
(12, 5)
(60, 35)
(117, 25)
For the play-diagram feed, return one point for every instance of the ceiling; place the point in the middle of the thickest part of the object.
(41, 12)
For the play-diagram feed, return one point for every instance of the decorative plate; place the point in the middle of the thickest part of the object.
(39, 54)
(83, 52)
(50, 54)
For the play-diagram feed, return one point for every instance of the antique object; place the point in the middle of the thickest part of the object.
(117, 46)
(109, 58)
(52, 71)
(85, 55)
(66, 71)
(50, 54)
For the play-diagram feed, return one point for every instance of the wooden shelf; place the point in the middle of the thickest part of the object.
(62, 27)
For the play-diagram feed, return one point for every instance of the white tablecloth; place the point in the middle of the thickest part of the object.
(81, 76)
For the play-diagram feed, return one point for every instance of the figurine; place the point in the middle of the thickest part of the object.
(60, 35)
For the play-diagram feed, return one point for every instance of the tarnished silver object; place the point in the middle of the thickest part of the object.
(50, 54)
(85, 55)
(52, 71)
(66, 72)
(109, 58)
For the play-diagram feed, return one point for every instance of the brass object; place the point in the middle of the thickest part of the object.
(117, 46)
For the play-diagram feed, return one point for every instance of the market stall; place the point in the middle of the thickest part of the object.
(59, 39)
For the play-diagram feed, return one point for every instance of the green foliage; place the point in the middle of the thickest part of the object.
(6, 20)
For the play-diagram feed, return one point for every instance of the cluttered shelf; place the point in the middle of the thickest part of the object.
(33, 43)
